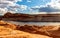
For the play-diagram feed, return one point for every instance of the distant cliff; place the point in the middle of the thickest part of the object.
(35, 18)
(21, 17)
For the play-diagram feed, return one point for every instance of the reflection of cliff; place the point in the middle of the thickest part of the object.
(27, 17)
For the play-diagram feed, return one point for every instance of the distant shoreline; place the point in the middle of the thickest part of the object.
(33, 23)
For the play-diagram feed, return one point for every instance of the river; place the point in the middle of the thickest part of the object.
(33, 23)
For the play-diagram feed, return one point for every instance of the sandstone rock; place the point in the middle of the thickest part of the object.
(35, 18)
(11, 33)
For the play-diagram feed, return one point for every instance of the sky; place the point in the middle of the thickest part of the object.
(30, 6)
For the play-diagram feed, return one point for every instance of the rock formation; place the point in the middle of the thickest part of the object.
(35, 18)
(7, 31)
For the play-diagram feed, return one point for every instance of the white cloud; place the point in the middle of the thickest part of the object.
(10, 5)
(28, 0)
(3, 11)
(20, 0)
(23, 7)
(54, 4)
(53, 7)
(36, 7)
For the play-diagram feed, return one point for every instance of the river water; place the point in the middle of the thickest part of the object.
(33, 23)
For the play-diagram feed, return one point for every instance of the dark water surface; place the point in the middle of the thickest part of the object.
(34, 23)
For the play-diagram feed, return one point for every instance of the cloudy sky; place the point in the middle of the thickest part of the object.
(30, 6)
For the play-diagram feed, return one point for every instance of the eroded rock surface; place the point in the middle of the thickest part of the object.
(8, 30)
(52, 31)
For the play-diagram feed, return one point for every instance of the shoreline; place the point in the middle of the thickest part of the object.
(33, 23)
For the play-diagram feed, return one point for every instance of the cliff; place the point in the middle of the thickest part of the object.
(32, 18)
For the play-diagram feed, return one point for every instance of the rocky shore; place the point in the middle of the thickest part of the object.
(8, 30)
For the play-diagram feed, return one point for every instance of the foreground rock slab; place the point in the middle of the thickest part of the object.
(7, 32)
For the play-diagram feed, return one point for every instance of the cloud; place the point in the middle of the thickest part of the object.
(23, 7)
(3, 11)
(10, 5)
(54, 4)
(51, 7)
(4, 4)
(20, 0)
(28, 0)
(48, 9)
(36, 7)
